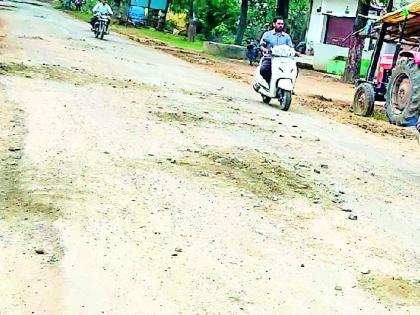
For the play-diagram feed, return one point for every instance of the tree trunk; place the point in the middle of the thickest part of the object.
(282, 9)
(242, 22)
(117, 4)
(354, 60)
(191, 26)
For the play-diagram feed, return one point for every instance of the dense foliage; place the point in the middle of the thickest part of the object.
(218, 20)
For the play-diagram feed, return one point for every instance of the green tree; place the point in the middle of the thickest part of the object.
(230, 20)
(298, 17)
(218, 18)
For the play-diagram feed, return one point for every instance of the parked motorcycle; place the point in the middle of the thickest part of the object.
(253, 51)
(284, 72)
(100, 28)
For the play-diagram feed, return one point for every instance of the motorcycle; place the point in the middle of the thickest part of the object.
(284, 73)
(100, 27)
(253, 51)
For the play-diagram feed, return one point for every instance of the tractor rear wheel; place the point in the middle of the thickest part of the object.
(403, 94)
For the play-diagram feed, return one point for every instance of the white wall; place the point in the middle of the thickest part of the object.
(341, 8)
(316, 25)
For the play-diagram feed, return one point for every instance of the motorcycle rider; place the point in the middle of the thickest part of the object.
(78, 4)
(102, 8)
(274, 37)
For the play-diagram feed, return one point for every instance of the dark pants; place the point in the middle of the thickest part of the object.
(265, 69)
(78, 6)
(94, 19)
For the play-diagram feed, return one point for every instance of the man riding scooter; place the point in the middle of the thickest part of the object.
(270, 39)
(277, 72)
(101, 8)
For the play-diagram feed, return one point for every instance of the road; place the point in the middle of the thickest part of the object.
(133, 182)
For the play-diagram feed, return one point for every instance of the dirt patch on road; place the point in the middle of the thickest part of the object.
(183, 118)
(257, 173)
(339, 110)
(23, 211)
(393, 289)
(190, 119)
(14, 199)
(74, 75)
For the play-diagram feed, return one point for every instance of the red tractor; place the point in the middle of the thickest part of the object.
(397, 75)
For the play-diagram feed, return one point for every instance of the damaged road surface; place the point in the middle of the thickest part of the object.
(133, 182)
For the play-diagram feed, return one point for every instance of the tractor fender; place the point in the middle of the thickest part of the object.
(412, 54)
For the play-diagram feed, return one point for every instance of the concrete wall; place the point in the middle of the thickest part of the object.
(228, 51)
(324, 53)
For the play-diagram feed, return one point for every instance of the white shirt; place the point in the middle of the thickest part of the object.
(102, 8)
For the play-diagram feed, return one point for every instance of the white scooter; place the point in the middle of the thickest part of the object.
(284, 72)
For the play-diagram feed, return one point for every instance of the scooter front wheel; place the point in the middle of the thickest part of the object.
(285, 100)
(266, 99)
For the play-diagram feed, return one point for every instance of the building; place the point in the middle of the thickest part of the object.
(330, 27)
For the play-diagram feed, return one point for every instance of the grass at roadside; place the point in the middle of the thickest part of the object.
(379, 115)
(79, 15)
(148, 33)
(169, 39)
